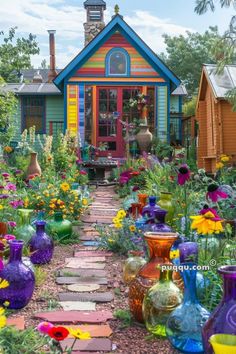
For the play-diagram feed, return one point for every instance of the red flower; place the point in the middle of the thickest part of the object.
(58, 333)
(215, 193)
(183, 175)
(33, 176)
(82, 172)
(135, 173)
(141, 168)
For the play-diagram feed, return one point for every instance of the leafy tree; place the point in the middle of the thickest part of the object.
(15, 54)
(190, 107)
(8, 106)
(44, 64)
(186, 54)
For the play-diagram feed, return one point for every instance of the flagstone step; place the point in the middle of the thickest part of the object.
(18, 322)
(72, 272)
(92, 345)
(84, 265)
(74, 316)
(90, 243)
(78, 288)
(94, 297)
(86, 248)
(81, 280)
(93, 254)
(88, 237)
(78, 305)
(95, 330)
(85, 259)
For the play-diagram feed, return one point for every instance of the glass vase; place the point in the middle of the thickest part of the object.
(184, 326)
(142, 199)
(159, 224)
(20, 277)
(223, 318)
(24, 230)
(132, 266)
(41, 245)
(159, 245)
(59, 227)
(150, 209)
(223, 343)
(165, 203)
(159, 302)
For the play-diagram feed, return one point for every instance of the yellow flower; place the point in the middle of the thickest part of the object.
(115, 220)
(3, 283)
(65, 187)
(224, 158)
(110, 240)
(121, 214)
(85, 336)
(85, 201)
(3, 321)
(205, 224)
(219, 165)
(6, 303)
(174, 254)
(1, 206)
(132, 228)
(118, 225)
(2, 311)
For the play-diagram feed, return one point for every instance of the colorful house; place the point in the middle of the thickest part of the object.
(90, 96)
(216, 119)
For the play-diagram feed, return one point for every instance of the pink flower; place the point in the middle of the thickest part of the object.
(9, 237)
(12, 223)
(123, 180)
(5, 174)
(63, 176)
(44, 327)
(82, 172)
(213, 211)
(215, 193)
(183, 174)
(10, 187)
(16, 203)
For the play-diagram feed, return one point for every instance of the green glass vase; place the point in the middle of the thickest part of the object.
(165, 203)
(24, 230)
(159, 302)
(59, 227)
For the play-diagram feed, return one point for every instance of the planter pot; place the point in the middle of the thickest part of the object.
(33, 168)
(144, 138)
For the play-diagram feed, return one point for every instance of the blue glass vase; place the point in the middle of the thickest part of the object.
(184, 326)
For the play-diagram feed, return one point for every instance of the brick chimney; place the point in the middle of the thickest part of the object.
(52, 72)
(95, 19)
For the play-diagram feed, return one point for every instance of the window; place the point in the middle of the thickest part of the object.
(33, 113)
(118, 62)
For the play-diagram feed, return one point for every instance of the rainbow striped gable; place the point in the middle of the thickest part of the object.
(95, 65)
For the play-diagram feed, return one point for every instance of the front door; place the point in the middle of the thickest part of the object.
(113, 108)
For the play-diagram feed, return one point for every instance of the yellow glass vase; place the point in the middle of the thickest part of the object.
(223, 343)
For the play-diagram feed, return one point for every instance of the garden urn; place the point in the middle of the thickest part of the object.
(33, 169)
(20, 278)
(144, 137)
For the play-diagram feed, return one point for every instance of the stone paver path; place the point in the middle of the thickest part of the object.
(84, 282)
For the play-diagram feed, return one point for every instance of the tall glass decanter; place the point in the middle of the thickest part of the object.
(159, 245)
(24, 230)
(41, 245)
(20, 277)
(223, 318)
(184, 326)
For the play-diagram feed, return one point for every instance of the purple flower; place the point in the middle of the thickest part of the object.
(16, 203)
(10, 187)
(18, 172)
(5, 174)
(184, 174)
(11, 223)
(9, 237)
(215, 193)
(123, 180)
(4, 196)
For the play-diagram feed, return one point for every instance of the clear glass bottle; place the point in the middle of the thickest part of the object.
(132, 265)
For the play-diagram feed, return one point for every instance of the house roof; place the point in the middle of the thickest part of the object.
(31, 89)
(28, 74)
(220, 83)
(117, 23)
(180, 91)
(94, 3)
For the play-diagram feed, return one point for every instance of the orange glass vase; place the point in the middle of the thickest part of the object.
(159, 245)
(142, 198)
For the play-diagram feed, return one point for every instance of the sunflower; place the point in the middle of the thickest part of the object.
(132, 228)
(118, 225)
(121, 214)
(65, 186)
(207, 223)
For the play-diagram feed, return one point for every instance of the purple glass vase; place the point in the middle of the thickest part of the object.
(149, 209)
(160, 225)
(223, 318)
(41, 245)
(21, 279)
(188, 252)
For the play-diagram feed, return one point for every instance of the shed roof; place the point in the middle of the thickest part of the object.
(180, 91)
(32, 89)
(94, 3)
(221, 83)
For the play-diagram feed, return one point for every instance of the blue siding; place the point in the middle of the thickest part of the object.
(162, 118)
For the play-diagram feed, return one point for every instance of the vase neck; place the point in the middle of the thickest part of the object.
(160, 248)
(24, 216)
(160, 215)
(229, 288)
(16, 248)
(152, 201)
(40, 227)
(58, 216)
(189, 277)
(166, 275)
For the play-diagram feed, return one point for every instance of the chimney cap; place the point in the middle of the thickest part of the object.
(51, 31)
(94, 3)
(37, 77)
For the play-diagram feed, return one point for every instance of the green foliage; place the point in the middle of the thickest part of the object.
(190, 107)
(15, 54)
(162, 149)
(40, 276)
(203, 5)
(124, 316)
(186, 54)
(8, 106)
(28, 341)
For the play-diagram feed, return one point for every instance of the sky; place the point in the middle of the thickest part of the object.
(149, 18)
